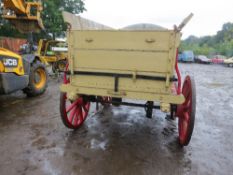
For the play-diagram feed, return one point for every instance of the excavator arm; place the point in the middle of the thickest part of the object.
(24, 15)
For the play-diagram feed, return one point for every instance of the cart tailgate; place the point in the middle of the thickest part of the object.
(122, 50)
(149, 53)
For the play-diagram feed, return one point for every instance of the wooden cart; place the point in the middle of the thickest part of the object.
(107, 65)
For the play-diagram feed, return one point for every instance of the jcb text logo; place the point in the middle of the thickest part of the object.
(10, 62)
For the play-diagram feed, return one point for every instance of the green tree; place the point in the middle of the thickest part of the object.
(6, 29)
(52, 14)
(221, 43)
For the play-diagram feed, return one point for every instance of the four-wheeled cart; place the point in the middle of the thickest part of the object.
(107, 65)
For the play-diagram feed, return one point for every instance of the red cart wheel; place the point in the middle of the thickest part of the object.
(186, 111)
(74, 113)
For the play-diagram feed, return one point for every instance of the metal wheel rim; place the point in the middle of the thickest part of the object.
(39, 78)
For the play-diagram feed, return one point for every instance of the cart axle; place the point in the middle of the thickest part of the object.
(147, 105)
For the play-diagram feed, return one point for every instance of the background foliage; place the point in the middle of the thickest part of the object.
(221, 43)
(51, 16)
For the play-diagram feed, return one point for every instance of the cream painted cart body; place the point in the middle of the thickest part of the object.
(107, 65)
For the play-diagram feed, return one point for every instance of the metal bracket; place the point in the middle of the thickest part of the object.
(116, 83)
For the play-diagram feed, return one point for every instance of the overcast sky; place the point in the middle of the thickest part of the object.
(209, 15)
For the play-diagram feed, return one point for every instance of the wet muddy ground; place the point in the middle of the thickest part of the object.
(119, 140)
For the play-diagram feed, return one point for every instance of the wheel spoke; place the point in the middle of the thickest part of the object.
(183, 127)
(186, 117)
(185, 86)
(184, 124)
(85, 108)
(69, 108)
(81, 114)
(72, 115)
(188, 95)
(76, 119)
(186, 92)
(186, 105)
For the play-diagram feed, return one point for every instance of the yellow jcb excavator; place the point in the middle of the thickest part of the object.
(26, 72)
(53, 53)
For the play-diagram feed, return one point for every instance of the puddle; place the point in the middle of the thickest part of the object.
(215, 85)
(96, 144)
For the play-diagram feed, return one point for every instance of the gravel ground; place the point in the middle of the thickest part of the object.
(119, 140)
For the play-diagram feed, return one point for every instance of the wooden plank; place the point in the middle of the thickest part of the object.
(125, 84)
(147, 96)
(122, 40)
(121, 60)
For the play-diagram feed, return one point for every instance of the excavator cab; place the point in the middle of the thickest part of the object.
(25, 16)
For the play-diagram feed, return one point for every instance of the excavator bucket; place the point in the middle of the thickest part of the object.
(24, 15)
(18, 6)
(27, 25)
